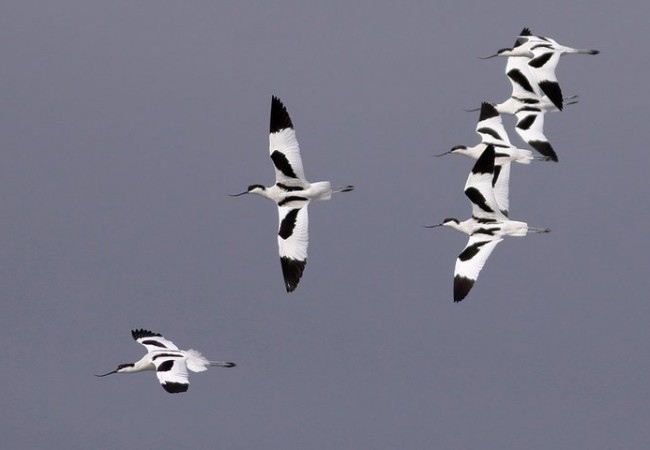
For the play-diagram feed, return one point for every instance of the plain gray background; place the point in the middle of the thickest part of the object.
(124, 124)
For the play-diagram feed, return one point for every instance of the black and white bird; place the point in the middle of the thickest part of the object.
(486, 228)
(492, 132)
(170, 363)
(546, 53)
(292, 194)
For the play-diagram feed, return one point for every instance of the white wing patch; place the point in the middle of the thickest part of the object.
(501, 189)
(285, 153)
(171, 371)
(470, 262)
(152, 341)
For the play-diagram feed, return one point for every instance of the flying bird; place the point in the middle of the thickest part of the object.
(292, 194)
(492, 132)
(546, 53)
(170, 363)
(486, 228)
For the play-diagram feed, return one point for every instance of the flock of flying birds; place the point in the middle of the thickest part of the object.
(530, 68)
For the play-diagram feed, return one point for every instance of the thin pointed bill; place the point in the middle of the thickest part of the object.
(443, 154)
(237, 195)
(488, 57)
(109, 373)
(432, 226)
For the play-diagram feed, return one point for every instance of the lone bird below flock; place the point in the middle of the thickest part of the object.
(292, 194)
(170, 363)
(486, 228)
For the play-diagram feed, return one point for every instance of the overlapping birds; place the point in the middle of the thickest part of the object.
(530, 68)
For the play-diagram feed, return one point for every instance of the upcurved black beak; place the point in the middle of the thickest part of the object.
(432, 226)
(115, 371)
(442, 154)
(488, 57)
(237, 195)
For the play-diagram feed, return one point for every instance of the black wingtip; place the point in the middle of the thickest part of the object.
(141, 333)
(462, 286)
(175, 388)
(292, 270)
(553, 92)
(485, 163)
(525, 32)
(279, 116)
(545, 148)
(487, 111)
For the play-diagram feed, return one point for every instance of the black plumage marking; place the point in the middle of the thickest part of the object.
(166, 355)
(137, 334)
(487, 111)
(281, 163)
(175, 388)
(165, 366)
(485, 163)
(495, 177)
(477, 198)
(284, 187)
(486, 231)
(525, 32)
(462, 286)
(526, 122)
(288, 224)
(292, 270)
(152, 342)
(519, 78)
(471, 250)
(540, 60)
(528, 101)
(291, 198)
(490, 131)
(279, 116)
(538, 46)
(484, 220)
(544, 148)
(553, 91)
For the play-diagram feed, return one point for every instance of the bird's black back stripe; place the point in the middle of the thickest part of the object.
(495, 177)
(540, 60)
(175, 388)
(471, 251)
(284, 187)
(490, 131)
(538, 46)
(279, 116)
(152, 342)
(291, 198)
(166, 355)
(292, 270)
(519, 78)
(165, 366)
(526, 122)
(288, 224)
(486, 231)
(483, 220)
(462, 286)
(477, 198)
(281, 163)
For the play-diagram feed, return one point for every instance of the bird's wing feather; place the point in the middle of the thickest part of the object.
(530, 127)
(470, 262)
(490, 126)
(171, 371)
(283, 147)
(500, 186)
(479, 190)
(293, 239)
(152, 341)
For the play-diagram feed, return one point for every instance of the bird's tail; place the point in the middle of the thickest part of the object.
(347, 188)
(222, 364)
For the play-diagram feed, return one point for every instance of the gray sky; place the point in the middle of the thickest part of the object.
(124, 124)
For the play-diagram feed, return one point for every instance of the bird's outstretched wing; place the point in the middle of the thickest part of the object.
(283, 147)
(530, 127)
(293, 239)
(152, 341)
(479, 189)
(490, 126)
(471, 260)
(543, 66)
(171, 371)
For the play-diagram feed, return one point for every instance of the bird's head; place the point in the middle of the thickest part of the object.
(449, 222)
(454, 149)
(252, 189)
(122, 368)
(514, 51)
